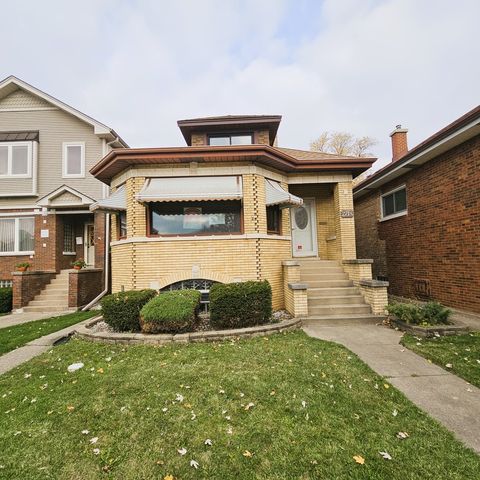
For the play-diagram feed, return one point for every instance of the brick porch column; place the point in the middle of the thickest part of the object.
(344, 221)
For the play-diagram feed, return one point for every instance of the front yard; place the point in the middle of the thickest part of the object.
(280, 407)
(458, 354)
(18, 335)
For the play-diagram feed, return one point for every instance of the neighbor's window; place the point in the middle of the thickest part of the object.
(16, 159)
(233, 139)
(69, 238)
(16, 235)
(74, 159)
(195, 218)
(394, 202)
(122, 224)
(273, 219)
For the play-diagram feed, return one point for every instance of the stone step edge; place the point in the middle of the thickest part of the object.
(194, 337)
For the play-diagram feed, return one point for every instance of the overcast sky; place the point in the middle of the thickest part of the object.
(361, 66)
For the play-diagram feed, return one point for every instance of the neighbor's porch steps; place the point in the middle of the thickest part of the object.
(332, 297)
(53, 298)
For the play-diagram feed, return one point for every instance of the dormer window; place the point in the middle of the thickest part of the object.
(230, 139)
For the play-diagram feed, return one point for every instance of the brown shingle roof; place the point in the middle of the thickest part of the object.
(310, 156)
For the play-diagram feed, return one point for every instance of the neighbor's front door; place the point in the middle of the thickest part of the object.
(304, 233)
(89, 242)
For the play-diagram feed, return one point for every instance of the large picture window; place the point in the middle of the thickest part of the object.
(17, 235)
(195, 218)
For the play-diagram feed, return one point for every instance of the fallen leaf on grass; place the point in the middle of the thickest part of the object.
(100, 370)
(182, 451)
(194, 464)
(249, 406)
(395, 412)
(247, 454)
(168, 477)
(359, 459)
(386, 385)
(449, 365)
(208, 442)
(93, 440)
(96, 451)
(70, 408)
(385, 455)
(85, 432)
(402, 435)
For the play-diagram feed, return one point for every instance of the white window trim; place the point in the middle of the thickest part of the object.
(10, 146)
(396, 214)
(65, 174)
(17, 251)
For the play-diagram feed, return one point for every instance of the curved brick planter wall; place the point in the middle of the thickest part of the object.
(207, 336)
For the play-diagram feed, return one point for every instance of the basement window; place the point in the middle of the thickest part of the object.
(394, 203)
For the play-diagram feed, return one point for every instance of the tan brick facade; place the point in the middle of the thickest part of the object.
(140, 261)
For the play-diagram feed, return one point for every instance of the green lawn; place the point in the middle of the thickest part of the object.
(461, 353)
(280, 407)
(18, 335)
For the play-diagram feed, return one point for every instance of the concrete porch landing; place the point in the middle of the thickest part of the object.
(446, 397)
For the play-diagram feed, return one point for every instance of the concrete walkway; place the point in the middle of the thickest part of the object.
(22, 354)
(446, 397)
(19, 318)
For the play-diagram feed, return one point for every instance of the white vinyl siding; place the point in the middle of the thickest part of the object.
(73, 159)
(16, 159)
(17, 235)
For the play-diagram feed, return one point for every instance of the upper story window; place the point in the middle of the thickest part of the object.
(230, 139)
(74, 159)
(195, 218)
(394, 203)
(16, 159)
(16, 235)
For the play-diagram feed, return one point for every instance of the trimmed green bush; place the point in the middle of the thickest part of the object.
(171, 312)
(431, 313)
(239, 305)
(6, 295)
(122, 310)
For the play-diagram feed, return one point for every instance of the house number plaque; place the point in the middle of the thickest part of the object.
(346, 213)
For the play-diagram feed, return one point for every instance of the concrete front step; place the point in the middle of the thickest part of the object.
(45, 309)
(339, 309)
(55, 288)
(344, 320)
(316, 261)
(336, 300)
(323, 276)
(328, 283)
(44, 302)
(332, 292)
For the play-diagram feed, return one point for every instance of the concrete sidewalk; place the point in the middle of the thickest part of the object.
(19, 318)
(22, 354)
(446, 397)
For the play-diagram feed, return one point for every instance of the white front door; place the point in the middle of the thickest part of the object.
(304, 232)
(89, 243)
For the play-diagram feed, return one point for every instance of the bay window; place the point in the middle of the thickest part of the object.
(273, 219)
(16, 159)
(195, 218)
(17, 235)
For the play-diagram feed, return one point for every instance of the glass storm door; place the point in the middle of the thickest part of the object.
(304, 233)
(89, 241)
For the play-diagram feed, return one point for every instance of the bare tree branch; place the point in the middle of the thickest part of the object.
(343, 143)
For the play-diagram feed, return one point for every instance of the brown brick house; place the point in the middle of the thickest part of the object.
(232, 206)
(46, 190)
(419, 217)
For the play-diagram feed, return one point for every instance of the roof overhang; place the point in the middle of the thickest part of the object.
(230, 123)
(116, 202)
(458, 132)
(12, 83)
(119, 160)
(72, 198)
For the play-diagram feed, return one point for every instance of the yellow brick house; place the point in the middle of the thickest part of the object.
(233, 206)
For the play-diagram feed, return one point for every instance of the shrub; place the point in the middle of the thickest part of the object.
(6, 295)
(171, 312)
(238, 305)
(122, 310)
(431, 313)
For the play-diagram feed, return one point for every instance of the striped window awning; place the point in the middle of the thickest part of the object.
(275, 194)
(116, 202)
(181, 189)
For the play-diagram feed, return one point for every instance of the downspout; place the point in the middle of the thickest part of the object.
(106, 265)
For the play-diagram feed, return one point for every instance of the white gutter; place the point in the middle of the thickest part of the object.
(106, 265)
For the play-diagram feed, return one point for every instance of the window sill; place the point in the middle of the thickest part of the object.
(15, 254)
(69, 253)
(394, 215)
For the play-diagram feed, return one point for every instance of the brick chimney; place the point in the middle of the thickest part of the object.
(399, 142)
